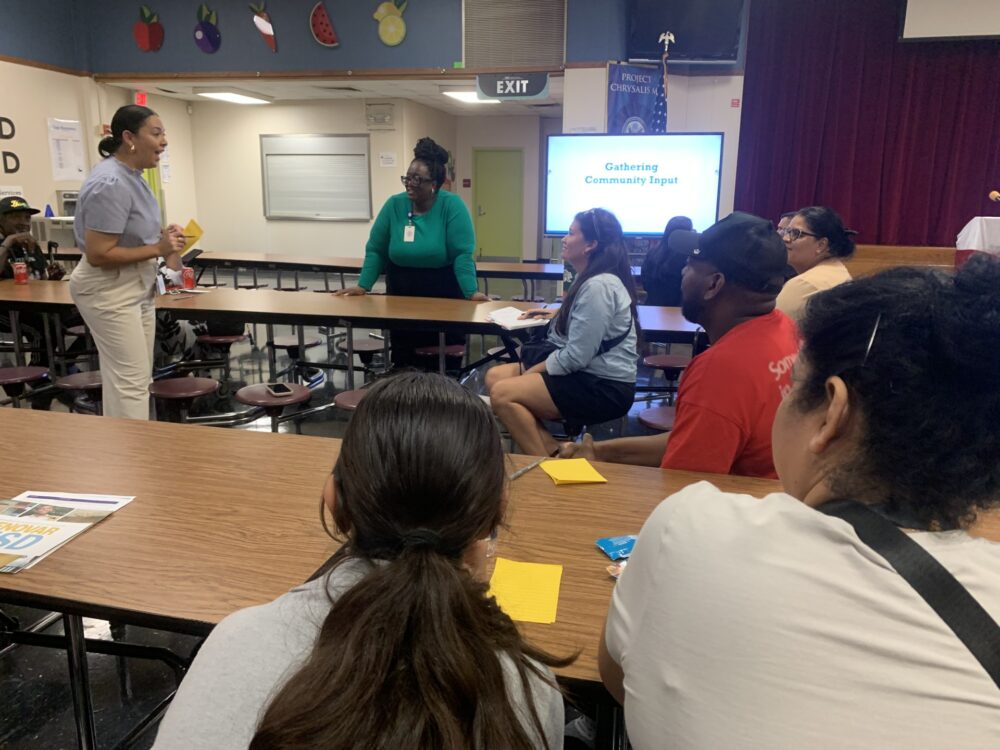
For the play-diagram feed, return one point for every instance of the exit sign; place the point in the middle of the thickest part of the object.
(140, 98)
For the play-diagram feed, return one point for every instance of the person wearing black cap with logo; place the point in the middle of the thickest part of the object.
(729, 394)
(17, 244)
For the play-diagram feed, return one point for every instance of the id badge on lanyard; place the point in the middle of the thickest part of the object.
(409, 231)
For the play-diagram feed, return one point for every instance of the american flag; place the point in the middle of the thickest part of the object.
(659, 124)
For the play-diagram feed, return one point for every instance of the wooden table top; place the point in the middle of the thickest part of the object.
(272, 306)
(226, 519)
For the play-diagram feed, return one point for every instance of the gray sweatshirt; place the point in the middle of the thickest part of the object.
(252, 653)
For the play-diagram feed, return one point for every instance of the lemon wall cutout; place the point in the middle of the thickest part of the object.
(391, 26)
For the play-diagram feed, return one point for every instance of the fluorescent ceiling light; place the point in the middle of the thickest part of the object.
(233, 96)
(469, 97)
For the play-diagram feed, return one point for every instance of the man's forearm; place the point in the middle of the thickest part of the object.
(637, 451)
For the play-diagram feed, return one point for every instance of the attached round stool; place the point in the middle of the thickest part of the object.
(223, 344)
(658, 418)
(349, 400)
(365, 348)
(86, 383)
(181, 392)
(669, 363)
(295, 352)
(273, 406)
(14, 380)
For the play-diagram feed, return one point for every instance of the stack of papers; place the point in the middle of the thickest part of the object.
(509, 319)
(34, 524)
(572, 471)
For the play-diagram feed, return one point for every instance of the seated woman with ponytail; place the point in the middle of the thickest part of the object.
(396, 644)
(587, 374)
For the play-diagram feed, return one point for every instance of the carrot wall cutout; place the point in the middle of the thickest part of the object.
(262, 21)
(206, 32)
(322, 27)
(148, 31)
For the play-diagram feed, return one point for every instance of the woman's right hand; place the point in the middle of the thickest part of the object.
(350, 291)
(537, 313)
(171, 240)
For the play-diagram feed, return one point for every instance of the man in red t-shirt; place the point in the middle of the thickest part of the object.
(729, 394)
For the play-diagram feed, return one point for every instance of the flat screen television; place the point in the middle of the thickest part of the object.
(641, 179)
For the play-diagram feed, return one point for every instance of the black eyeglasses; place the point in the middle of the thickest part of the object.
(794, 233)
(414, 180)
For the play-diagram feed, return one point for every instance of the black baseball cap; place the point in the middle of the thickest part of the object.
(744, 247)
(13, 203)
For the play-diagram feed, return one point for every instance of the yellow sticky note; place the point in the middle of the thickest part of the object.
(192, 233)
(572, 471)
(528, 592)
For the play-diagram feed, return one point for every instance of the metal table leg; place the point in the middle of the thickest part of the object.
(350, 355)
(272, 365)
(15, 328)
(441, 367)
(47, 321)
(79, 680)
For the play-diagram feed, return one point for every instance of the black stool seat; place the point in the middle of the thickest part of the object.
(362, 345)
(666, 361)
(658, 418)
(80, 381)
(21, 375)
(349, 400)
(450, 350)
(179, 389)
(257, 395)
(221, 340)
(292, 342)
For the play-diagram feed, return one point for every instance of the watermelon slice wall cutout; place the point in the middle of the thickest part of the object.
(322, 27)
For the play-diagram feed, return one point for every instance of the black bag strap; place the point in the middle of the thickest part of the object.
(608, 344)
(939, 588)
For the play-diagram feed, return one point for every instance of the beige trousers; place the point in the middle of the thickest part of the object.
(117, 306)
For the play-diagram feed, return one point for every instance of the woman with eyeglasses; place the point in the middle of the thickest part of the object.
(585, 372)
(423, 240)
(790, 621)
(817, 243)
(397, 643)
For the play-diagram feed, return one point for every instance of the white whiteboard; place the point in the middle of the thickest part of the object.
(931, 19)
(316, 177)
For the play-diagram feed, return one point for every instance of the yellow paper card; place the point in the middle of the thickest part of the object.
(527, 592)
(572, 471)
(192, 233)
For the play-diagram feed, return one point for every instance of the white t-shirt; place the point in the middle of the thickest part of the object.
(745, 623)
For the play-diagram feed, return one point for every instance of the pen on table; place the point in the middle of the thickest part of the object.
(182, 296)
(524, 470)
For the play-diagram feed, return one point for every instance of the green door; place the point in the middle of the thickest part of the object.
(497, 195)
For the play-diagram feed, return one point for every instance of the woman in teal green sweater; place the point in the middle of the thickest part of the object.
(423, 241)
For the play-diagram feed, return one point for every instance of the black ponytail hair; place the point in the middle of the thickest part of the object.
(130, 117)
(610, 256)
(434, 157)
(920, 353)
(826, 224)
(413, 654)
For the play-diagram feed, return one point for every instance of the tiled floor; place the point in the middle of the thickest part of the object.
(36, 711)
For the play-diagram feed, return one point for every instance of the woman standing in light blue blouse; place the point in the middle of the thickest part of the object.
(589, 376)
(117, 226)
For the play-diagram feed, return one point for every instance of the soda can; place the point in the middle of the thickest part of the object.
(187, 276)
(20, 272)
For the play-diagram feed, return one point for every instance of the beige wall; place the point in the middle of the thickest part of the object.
(30, 97)
(585, 100)
(420, 121)
(180, 196)
(522, 133)
(227, 175)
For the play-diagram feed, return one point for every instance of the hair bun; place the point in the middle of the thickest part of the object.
(969, 321)
(428, 151)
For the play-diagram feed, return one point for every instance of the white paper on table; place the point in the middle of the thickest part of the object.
(509, 318)
(66, 149)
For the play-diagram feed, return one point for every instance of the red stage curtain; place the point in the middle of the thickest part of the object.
(901, 138)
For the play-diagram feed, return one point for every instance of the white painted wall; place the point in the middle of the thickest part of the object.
(419, 122)
(227, 172)
(30, 97)
(521, 132)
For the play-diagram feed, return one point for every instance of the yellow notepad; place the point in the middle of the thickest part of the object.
(572, 471)
(192, 233)
(528, 592)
